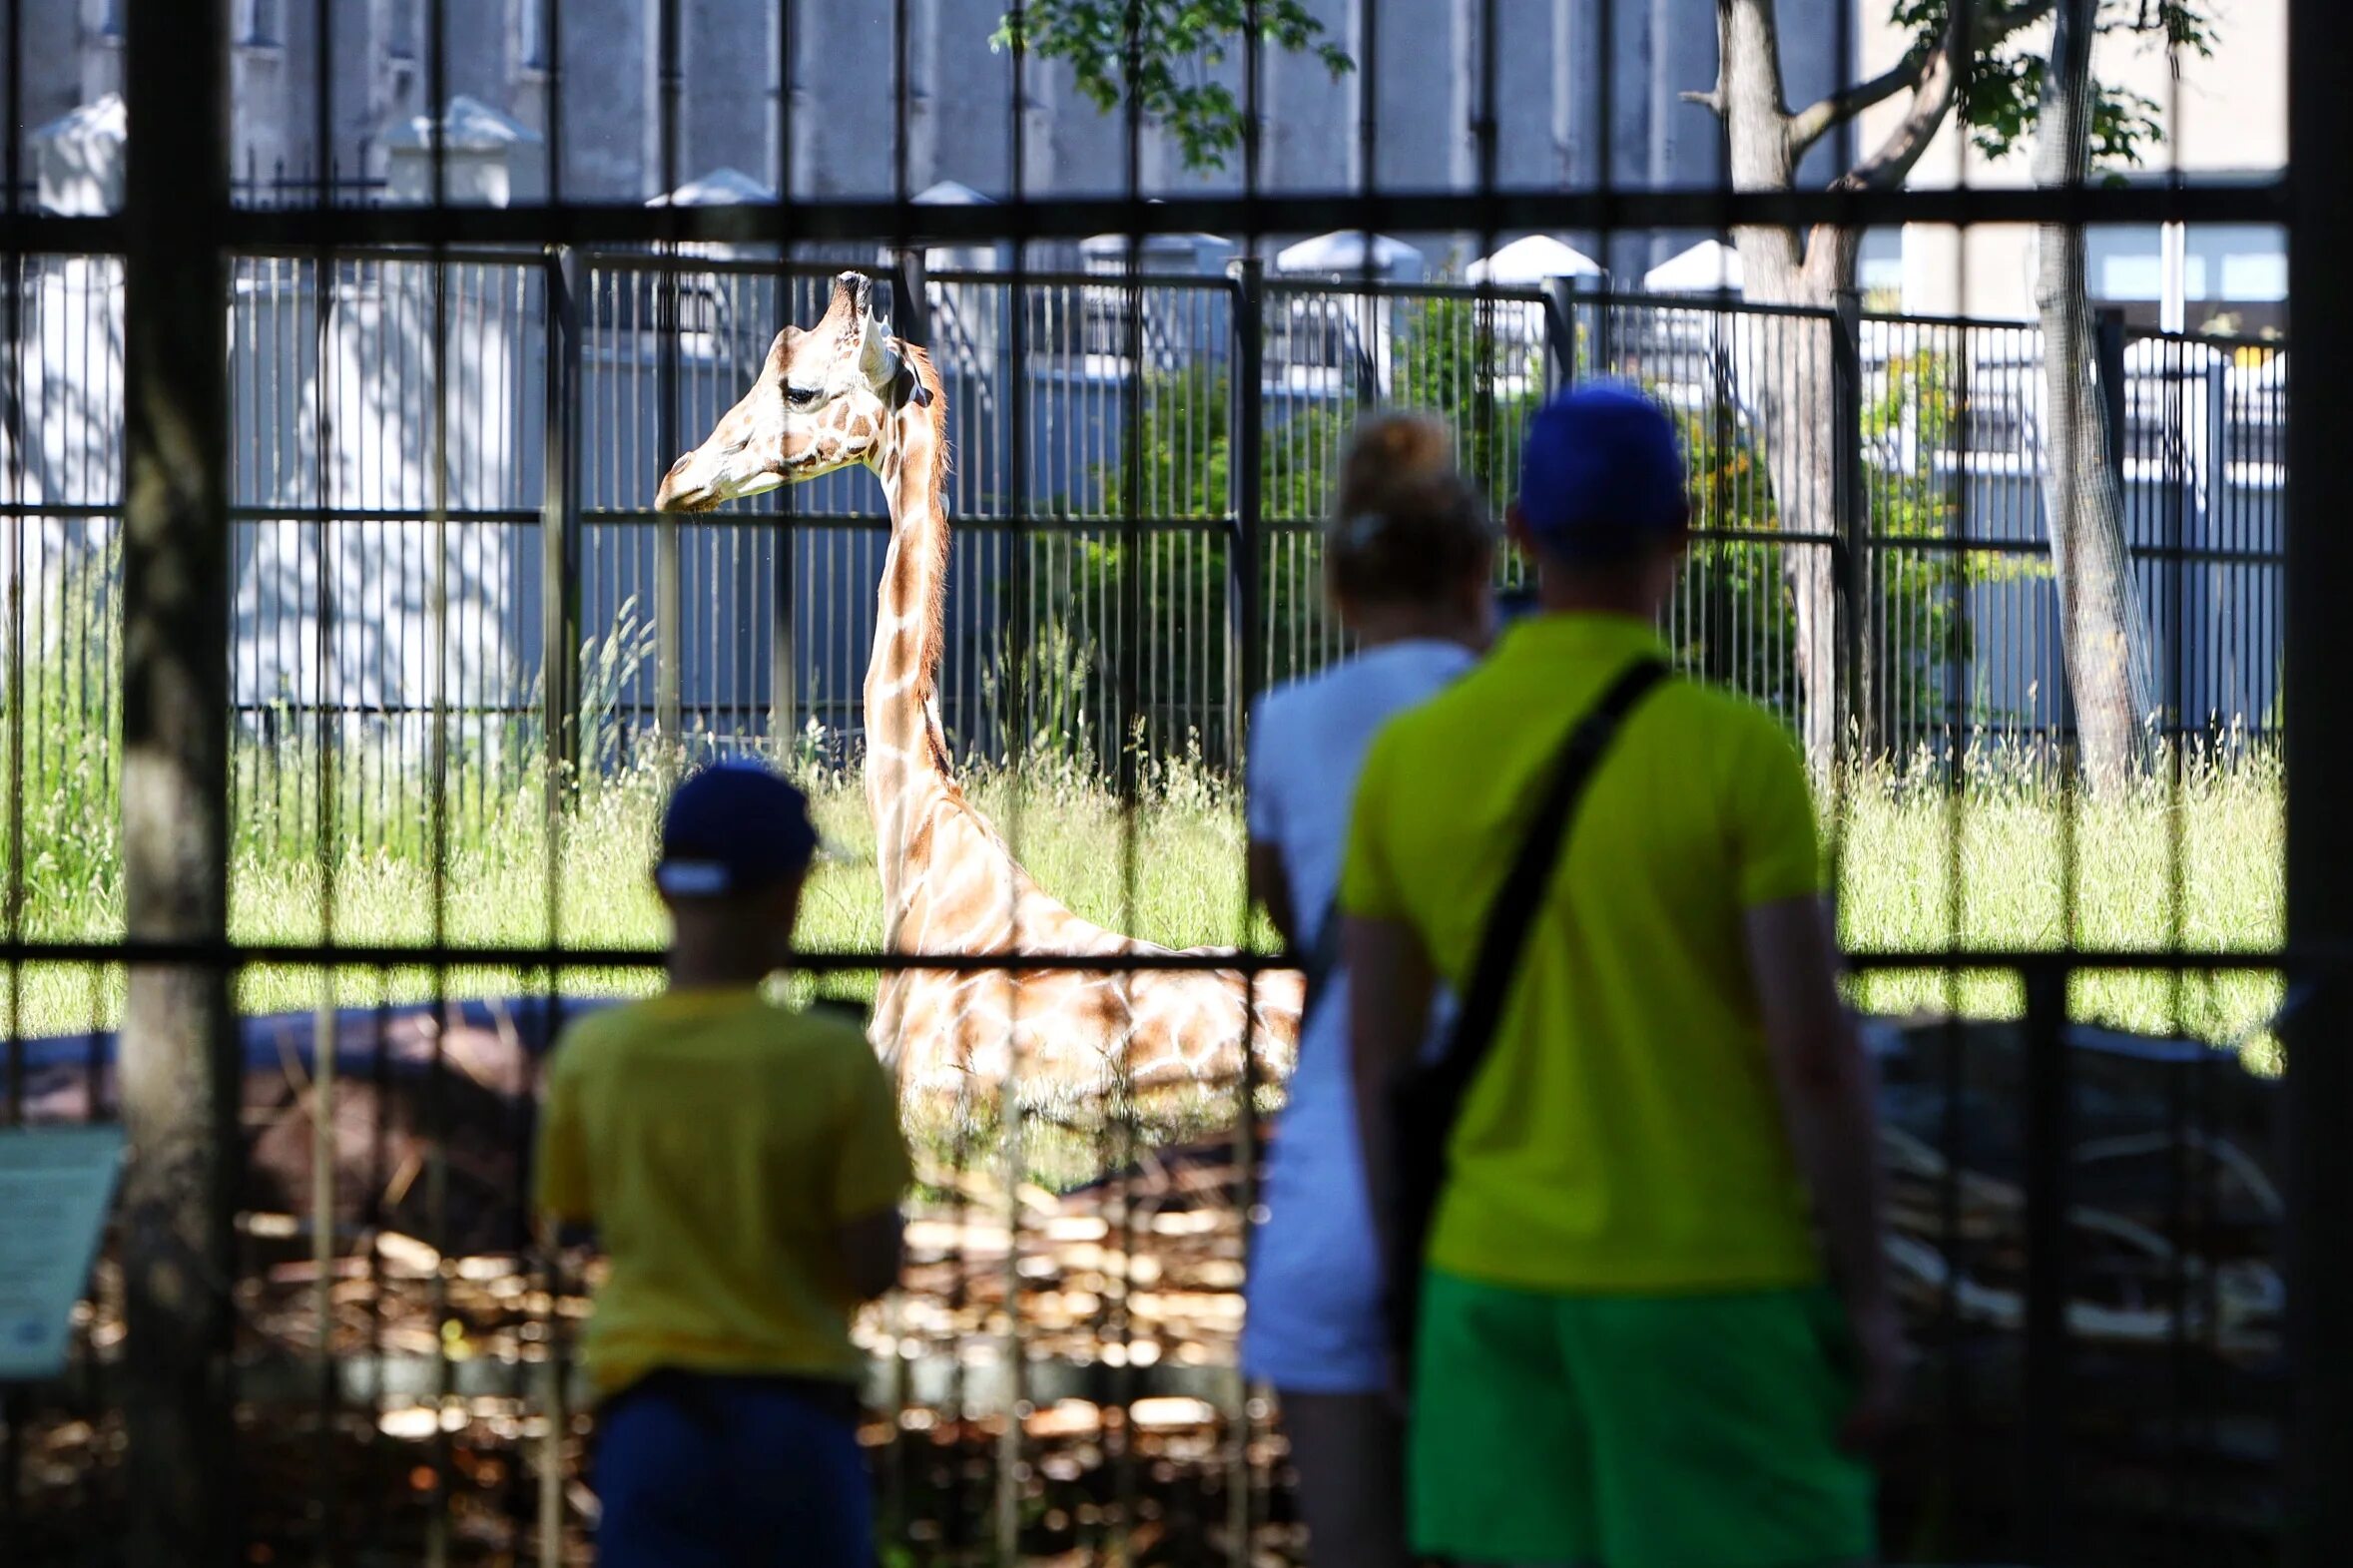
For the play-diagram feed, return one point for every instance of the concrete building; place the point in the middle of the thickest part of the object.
(1563, 112)
(2224, 116)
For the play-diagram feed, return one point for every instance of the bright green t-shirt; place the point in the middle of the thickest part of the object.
(718, 1143)
(1624, 1133)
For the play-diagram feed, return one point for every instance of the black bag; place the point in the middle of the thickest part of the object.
(1426, 1099)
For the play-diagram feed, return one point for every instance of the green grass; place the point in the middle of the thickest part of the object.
(2192, 859)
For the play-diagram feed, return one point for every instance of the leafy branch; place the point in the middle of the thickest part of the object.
(1164, 55)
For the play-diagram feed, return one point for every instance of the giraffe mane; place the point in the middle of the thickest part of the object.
(935, 643)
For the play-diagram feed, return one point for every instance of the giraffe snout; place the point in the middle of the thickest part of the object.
(681, 491)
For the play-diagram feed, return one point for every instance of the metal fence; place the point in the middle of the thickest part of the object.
(435, 450)
(397, 536)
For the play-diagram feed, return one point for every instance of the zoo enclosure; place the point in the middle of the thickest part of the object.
(380, 596)
(370, 1476)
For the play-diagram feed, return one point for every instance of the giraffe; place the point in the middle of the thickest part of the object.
(846, 392)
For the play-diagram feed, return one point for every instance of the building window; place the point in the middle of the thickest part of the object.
(531, 35)
(258, 22)
(2230, 277)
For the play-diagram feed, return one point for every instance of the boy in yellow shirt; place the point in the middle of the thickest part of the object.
(742, 1164)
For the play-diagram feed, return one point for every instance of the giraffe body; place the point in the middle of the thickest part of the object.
(845, 392)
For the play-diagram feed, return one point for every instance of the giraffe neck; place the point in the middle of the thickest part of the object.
(907, 755)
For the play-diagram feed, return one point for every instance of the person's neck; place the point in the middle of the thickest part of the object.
(1570, 593)
(1378, 626)
(717, 967)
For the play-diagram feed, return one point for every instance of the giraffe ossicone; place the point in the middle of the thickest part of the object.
(846, 392)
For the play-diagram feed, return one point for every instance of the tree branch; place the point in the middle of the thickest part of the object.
(1712, 100)
(1810, 124)
(1934, 92)
(1997, 24)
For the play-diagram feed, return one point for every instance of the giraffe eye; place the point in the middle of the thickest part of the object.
(801, 396)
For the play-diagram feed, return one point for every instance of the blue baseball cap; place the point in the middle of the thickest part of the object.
(1601, 475)
(733, 828)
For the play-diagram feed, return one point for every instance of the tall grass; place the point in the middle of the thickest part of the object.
(2001, 859)
(1925, 862)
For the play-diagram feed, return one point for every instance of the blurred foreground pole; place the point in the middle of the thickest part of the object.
(2319, 720)
(179, 1073)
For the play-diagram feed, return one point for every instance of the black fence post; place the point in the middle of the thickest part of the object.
(1246, 472)
(178, 1064)
(1561, 331)
(559, 525)
(1852, 555)
(2318, 714)
(668, 569)
(2044, 1393)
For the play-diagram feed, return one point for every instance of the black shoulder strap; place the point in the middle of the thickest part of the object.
(1510, 917)
(1319, 960)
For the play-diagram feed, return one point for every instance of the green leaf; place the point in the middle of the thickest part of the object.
(2002, 101)
(1159, 56)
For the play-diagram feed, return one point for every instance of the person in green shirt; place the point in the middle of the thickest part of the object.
(1655, 1330)
(741, 1164)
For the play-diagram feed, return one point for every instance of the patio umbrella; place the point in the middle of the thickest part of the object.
(1711, 267)
(1531, 260)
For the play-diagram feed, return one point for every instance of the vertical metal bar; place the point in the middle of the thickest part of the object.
(1007, 1531)
(1246, 469)
(551, 34)
(1852, 554)
(12, 429)
(179, 1058)
(2045, 1395)
(325, 1123)
(2319, 745)
(13, 1400)
(559, 524)
(669, 578)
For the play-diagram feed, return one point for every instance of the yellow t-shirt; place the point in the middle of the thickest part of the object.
(717, 1142)
(1624, 1133)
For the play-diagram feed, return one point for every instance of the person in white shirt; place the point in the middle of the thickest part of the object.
(1409, 565)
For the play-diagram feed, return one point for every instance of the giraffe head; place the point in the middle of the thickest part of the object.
(824, 401)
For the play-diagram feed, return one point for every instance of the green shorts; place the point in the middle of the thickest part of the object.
(1678, 1431)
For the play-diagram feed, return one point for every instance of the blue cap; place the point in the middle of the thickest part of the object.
(1602, 474)
(733, 828)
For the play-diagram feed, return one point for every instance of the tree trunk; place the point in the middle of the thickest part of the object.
(2101, 627)
(1790, 370)
(1793, 379)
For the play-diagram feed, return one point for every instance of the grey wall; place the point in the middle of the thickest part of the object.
(1560, 103)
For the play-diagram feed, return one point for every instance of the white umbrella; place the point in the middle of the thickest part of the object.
(1532, 260)
(719, 187)
(951, 193)
(1711, 267)
(1345, 250)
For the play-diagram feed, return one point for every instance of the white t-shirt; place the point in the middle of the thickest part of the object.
(1315, 1290)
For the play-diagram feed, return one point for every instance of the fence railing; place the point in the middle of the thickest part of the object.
(446, 549)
